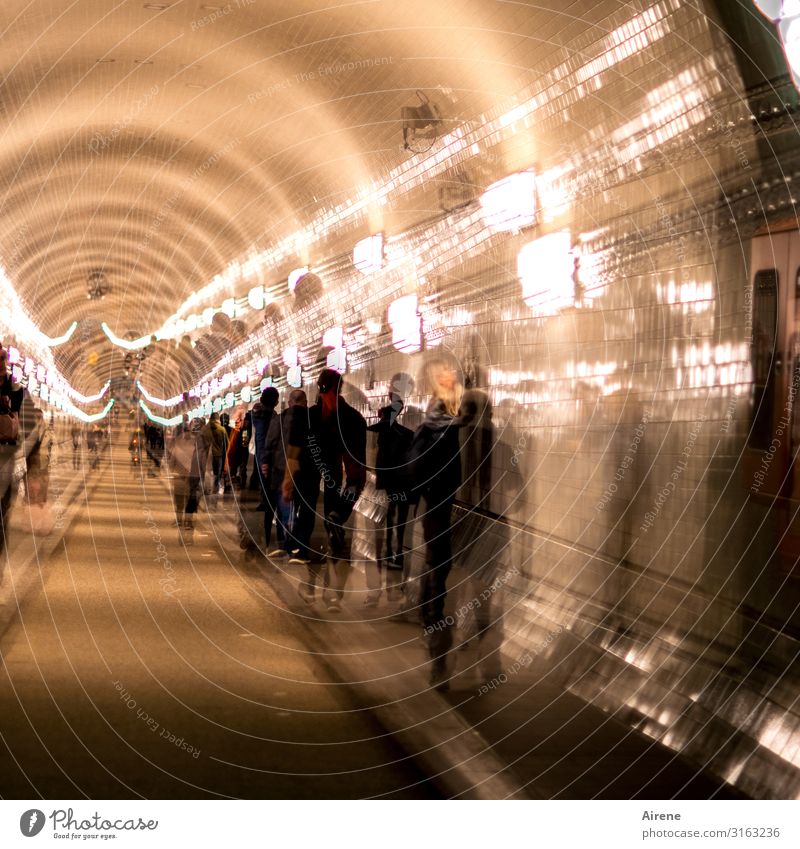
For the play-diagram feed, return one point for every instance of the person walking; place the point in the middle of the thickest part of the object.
(262, 415)
(392, 477)
(185, 462)
(334, 435)
(217, 443)
(276, 447)
(436, 470)
(237, 449)
(77, 438)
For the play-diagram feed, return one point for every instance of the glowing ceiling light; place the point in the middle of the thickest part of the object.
(405, 321)
(545, 268)
(162, 402)
(333, 338)
(770, 9)
(87, 399)
(135, 345)
(337, 359)
(368, 254)
(510, 204)
(53, 341)
(87, 417)
(294, 377)
(255, 298)
(790, 32)
(295, 276)
(175, 420)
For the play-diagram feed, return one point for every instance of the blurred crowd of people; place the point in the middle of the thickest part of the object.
(305, 468)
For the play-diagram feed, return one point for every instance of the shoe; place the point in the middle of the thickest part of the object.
(298, 561)
(306, 594)
(189, 525)
(277, 552)
(371, 601)
(334, 606)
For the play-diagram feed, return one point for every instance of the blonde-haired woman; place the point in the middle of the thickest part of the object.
(436, 468)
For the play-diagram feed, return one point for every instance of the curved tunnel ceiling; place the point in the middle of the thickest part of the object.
(159, 142)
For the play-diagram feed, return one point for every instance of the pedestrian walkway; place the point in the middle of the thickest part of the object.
(517, 735)
(138, 665)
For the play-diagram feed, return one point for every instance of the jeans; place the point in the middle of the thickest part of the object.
(306, 494)
(396, 522)
(216, 469)
(283, 518)
(337, 510)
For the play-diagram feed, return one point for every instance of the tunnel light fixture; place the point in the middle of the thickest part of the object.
(128, 345)
(294, 377)
(785, 14)
(333, 337)
(161, 402)
(509, 205)
(175, 420)
(70, 408)
(87, 399)
(546, 268)
(406, 323)
(368, 254)
(255, 298)
(54, 341)
(295, 276)
(337, 360)
(290, 355)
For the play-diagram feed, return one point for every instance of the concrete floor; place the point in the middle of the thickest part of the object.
(141, 666)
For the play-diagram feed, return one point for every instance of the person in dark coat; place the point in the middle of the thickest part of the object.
(262, 415)
(392, 478)
(334, 436)
(436, 470)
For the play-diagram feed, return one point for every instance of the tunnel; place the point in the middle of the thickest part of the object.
(397, 400)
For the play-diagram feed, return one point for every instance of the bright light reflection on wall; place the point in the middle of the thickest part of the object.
(404, 319)
(545, 268)
(509, 205)
(368, 254)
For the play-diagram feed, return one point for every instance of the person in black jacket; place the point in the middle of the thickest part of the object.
(333, 437)
(392, 478)
(261, 416)
(436, 469)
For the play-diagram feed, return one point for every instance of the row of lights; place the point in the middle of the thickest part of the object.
(507, 206)
(46, 383)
